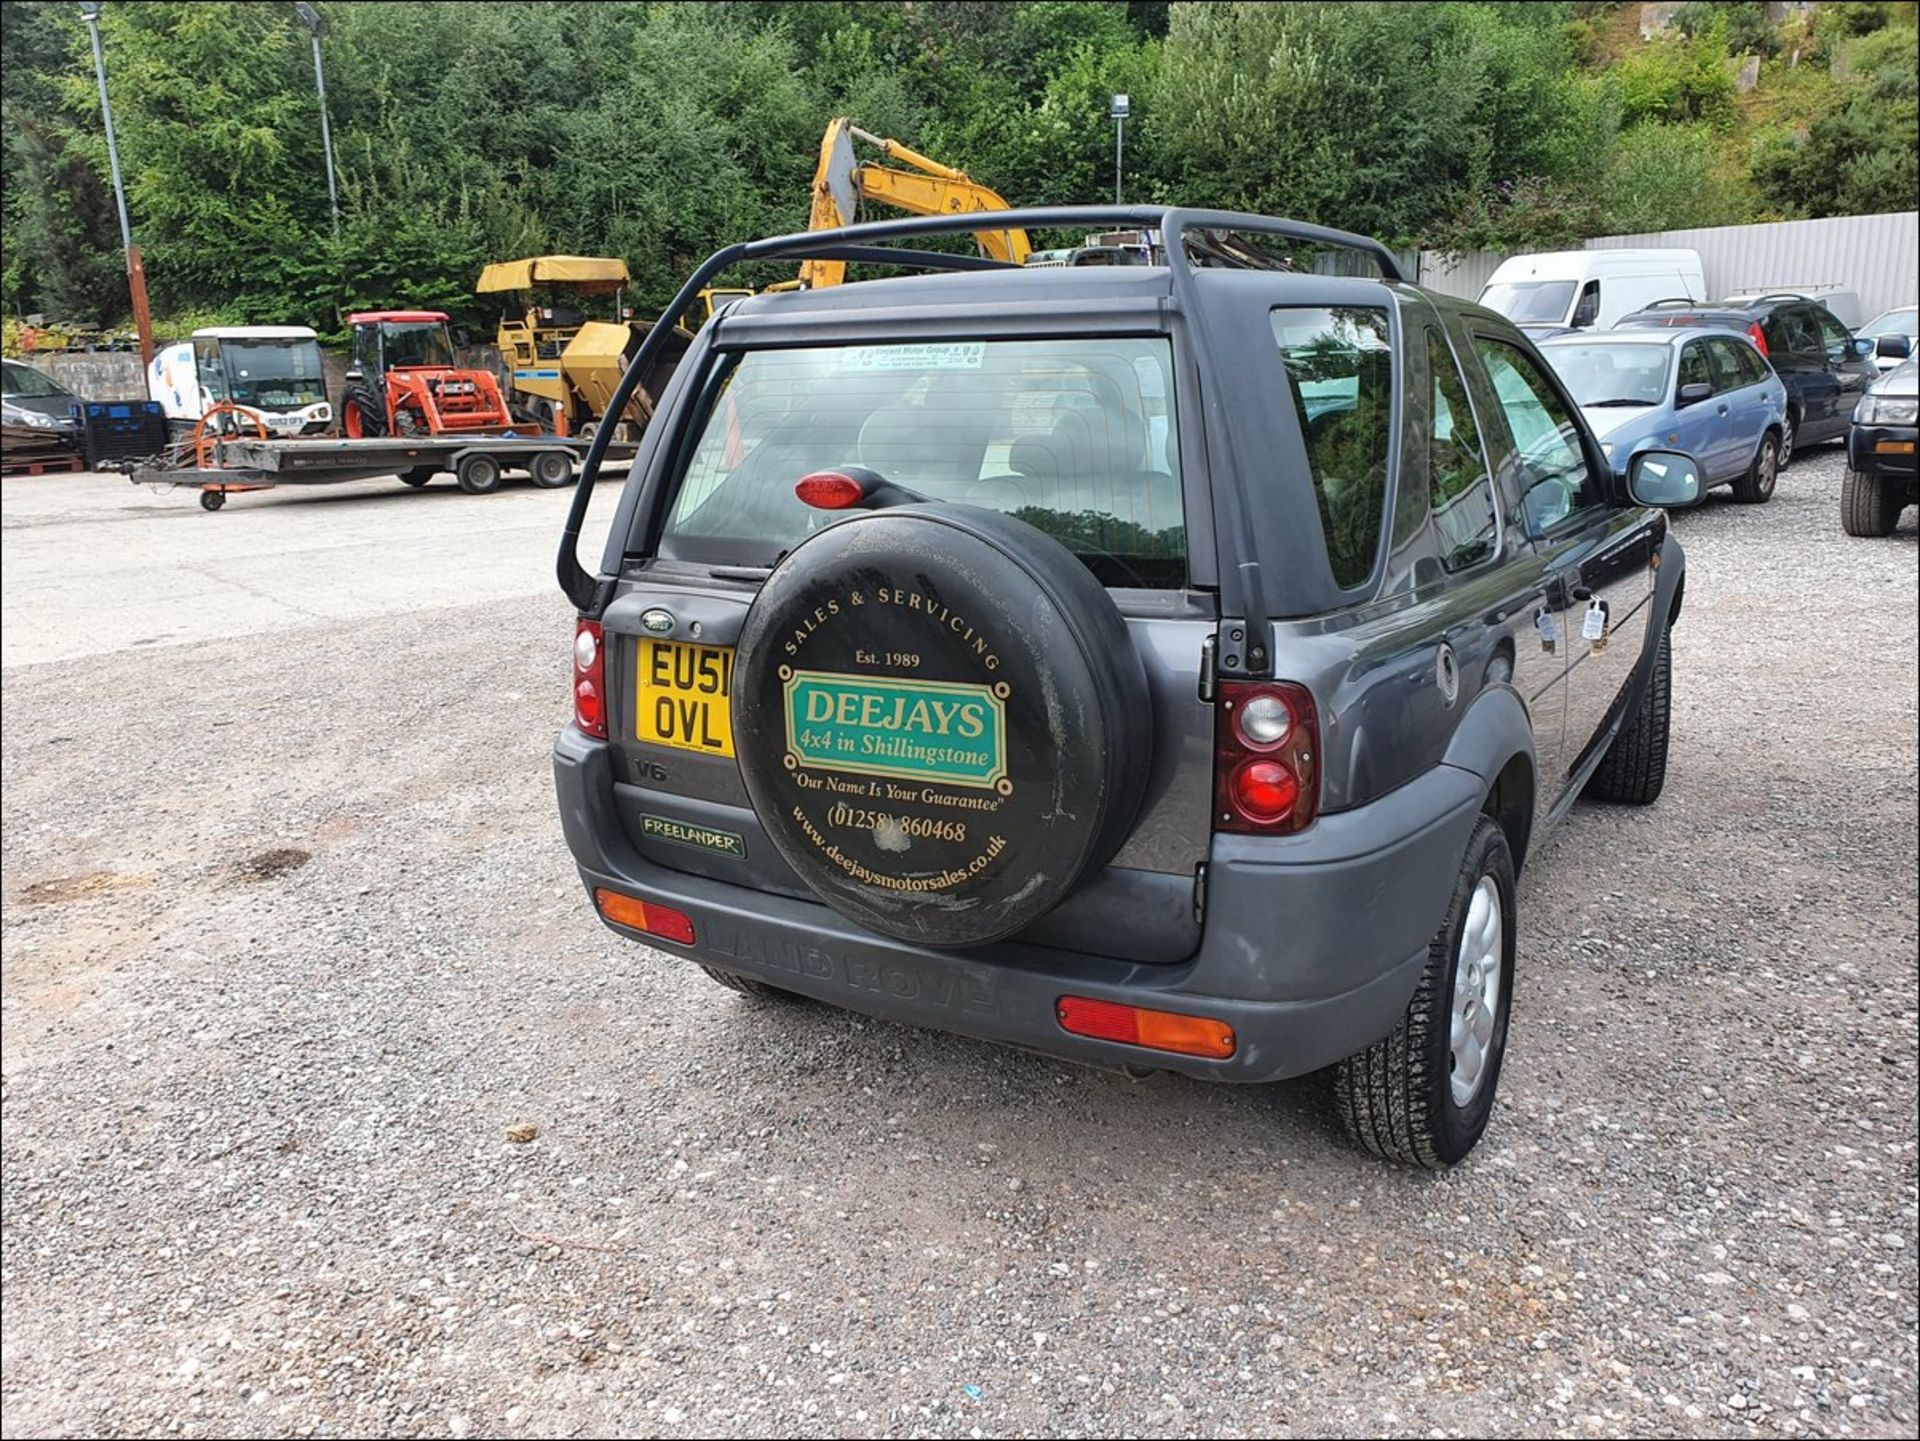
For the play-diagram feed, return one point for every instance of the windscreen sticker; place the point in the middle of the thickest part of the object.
(952, 355)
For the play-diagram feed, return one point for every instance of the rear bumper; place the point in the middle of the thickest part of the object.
(1311, 948)
(1882, 449)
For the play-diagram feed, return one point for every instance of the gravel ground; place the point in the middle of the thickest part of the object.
(291, 942)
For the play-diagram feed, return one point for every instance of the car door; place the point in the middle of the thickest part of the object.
(1595, 547)
(1815, 388)
(1700, 426)
(1850, 373)
(1743, 401)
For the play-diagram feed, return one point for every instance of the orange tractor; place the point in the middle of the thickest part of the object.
(406, 381)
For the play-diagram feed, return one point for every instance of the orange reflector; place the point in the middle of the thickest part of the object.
(661, 921)
(1893, 447)
(1135, 1026)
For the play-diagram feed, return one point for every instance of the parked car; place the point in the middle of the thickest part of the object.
(1880, 476)
(1842, 300)
(1709, 394)
(1589, 289)
(1895, 335)
(32, 397)
(1826, 369)
(915, 682)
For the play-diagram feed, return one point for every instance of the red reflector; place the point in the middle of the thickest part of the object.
(662, 921)
(830, 490)
(588, 709)
(1137, 1026)
(1758, 336)
(1264, 791)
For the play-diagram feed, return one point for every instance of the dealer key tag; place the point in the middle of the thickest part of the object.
(1549, 631)
(1594, 627)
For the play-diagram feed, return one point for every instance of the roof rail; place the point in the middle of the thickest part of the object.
(1670, 302)
(1242, 589)
(1779, 295)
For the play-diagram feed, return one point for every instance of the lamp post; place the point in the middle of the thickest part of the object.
(316, 24)
(1119, 109)
(136, 273)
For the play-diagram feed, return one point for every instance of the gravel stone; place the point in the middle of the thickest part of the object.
(255, 1181)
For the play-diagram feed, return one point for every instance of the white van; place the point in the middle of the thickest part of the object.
(1842, 301)
(1590, 289)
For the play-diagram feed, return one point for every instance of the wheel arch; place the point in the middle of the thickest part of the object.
(1494, 741)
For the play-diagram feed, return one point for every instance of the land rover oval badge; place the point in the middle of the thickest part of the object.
(656, 620)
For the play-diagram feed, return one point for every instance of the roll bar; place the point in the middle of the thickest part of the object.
(1243, 592)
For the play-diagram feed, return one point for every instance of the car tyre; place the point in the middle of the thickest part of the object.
(1788, 433)
(747, 986)
(1634, 770)
(1401, 1098)
(1756, 486)
(1870, 504)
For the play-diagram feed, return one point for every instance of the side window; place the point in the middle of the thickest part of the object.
(1797, 331)
(1588, 310)
(1457, 478)
(1726, 364)
(206, 358)
(1833, 336)
(1694, 368)
(1550, 465)
(1339, 367)
(1753, 369)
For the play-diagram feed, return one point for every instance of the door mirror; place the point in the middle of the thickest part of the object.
(1695, 392)
(1664, 477)
(1893, 347)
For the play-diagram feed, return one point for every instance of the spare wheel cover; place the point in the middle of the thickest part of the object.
(941, 720)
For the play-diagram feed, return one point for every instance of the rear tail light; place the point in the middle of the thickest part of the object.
(1266, 744)
(1137, 1026)
(662, 921)
(1758, 336)
(590, 679)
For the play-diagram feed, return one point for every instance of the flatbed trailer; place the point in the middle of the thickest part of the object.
(478, 462)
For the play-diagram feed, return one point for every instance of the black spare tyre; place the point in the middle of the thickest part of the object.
(941, 720)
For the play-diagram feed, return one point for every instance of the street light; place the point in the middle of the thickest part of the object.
(316, 24)
(136, 273)
(1119, 109)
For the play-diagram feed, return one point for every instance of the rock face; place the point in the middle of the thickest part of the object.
(1656, 17)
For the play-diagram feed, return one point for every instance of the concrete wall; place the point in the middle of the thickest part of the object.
(1874, 255)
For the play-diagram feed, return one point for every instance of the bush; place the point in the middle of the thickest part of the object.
(1667, 177)
(1676, 80)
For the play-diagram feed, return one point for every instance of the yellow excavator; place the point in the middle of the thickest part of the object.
(561, 366)
(841, 181)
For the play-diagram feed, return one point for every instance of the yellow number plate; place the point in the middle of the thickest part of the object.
(682, 698)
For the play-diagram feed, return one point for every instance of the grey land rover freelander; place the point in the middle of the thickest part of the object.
(1161, 665)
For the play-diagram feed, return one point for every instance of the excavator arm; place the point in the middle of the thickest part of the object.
(841, 182)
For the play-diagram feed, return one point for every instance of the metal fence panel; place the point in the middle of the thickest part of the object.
(1876, 256)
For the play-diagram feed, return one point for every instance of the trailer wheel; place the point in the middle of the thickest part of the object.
(420, 474)
(212, 499)
(550, 469)
(478, 474)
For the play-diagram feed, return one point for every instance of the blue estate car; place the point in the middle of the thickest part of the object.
(1708, 393)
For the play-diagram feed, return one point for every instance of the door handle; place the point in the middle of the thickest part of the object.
(1723, 410)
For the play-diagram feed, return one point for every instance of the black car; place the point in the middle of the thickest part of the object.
(1881, 477)
(33, 398)
(1825, 367)
(1157, 665)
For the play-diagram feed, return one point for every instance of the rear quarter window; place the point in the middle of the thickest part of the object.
(1339, 366)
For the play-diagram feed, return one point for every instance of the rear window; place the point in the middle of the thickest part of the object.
(1077, 438)
(1340, 369)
